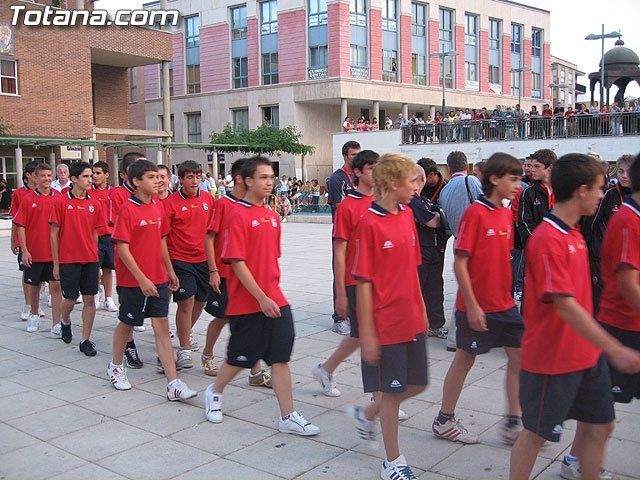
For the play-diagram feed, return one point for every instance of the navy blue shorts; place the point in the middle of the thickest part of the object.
(505, 329)
(78, 278)
(135, 306)
(217, 302)
(20, 264)
(353, 314)
(37, 273)
(194, 280)
(624, 386)
(106, 258)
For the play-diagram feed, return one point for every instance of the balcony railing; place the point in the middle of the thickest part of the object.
(496, 129)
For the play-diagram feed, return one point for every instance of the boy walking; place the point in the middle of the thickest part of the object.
(564, 375)
(75, 221)
(392, 321)
(486, 315)
(145, 276)
(259, 315)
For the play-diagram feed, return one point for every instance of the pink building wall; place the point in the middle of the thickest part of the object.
(406, 69)
(375, 44)
(546, 70)
(434, 46)
(527, 79)
(483, 61)
(459, 59)
(339, 40)
(292, 46)
(215, 58)
(253, 55)
(151, 75)
(179, 72)
(506, 64)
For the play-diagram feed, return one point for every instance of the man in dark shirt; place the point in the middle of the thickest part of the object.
(433, 180)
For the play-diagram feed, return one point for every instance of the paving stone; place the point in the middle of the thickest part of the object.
(348, 465)
(166, 418)
(120, 403)
(37, 461)
(223, 468)
(94, 472)
(56, 422)
(26, 403)
(13, 439)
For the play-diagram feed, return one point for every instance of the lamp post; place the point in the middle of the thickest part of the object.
(442, 56)
(602, 36)
(519, 71)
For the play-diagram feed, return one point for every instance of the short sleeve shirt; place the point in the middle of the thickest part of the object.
(621, 247)
(16, 198)
(486, 236)
(224, 205)
(33, 214)
(388, 255)
(118, 196)
(557, 264)
(102, 195)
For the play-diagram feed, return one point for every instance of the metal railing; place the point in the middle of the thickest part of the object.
(532, 128)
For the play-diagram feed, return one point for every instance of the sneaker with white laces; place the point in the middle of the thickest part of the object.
(402, 415)
(364, 427)
(33, 323)
(183, 358)
(509, 429)
(178, 391)
(342, 327)
(571, 471)
(209, 365)
(109, 305)
(24, 314)
(396, 470)
(296, 424)
(117, 375)
(326, 381)
(140, 328)
(56, 330)
(212, 405)
(453, 430)
(193, 344)
(438, 333)
(260, 379)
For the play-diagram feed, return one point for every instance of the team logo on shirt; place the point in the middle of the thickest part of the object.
(572, 249)
(255, 223)
(537, 202)
(184, 209)
(34, 205)
(274, 224)
(91, 209)
(388, 244)
(69, 207)
(205, 205)
(143, 223)
(491, 232)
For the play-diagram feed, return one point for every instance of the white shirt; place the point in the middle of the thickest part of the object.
(56, 185)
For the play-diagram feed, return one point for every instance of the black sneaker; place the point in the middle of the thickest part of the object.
(133, 360)
(65, 332)
(88, 348)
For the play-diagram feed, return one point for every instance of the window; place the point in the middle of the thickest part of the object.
(133, 85)
(317, 12)
(8, 77)
(192, 31)
(240, 119)
(193, 78)
(536, 42)
(269, 68)
(240, 73)
(562, 76)
(271, 116)
(515, 83)
(516, 38)
(446, 45)
(536, 85)
(419, 68)
(194, 130)
(239, 23)
(470, 72)
(318, 56)
(269, 10)
(562, 96)
(390, 65)
(494, 34)
(418, 19)
(172, 126)
(494, 74)
(471, 30)
(359, 56)
(389, 15)
(358, 12)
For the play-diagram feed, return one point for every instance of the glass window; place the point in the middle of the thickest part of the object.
(318, 56)
(471, 29)
(194, 129)
(418, 19)
(240, 119)
(133, 85)
(390, 65)
(239, 22)
(193, 78)
(240, 72)
(470, 71)
(192, 31)
(359, 56)
(494, 33)
(536, 42)
(494, 74)
(8, 77)
(269, 16)
(516, 38)
(269, 68)
(562, 76)
(317, 12)
(536, 85)
(389, 15)
(172, 126)
(419, 68)
(271, 116)
(515, 83)
(358, 12)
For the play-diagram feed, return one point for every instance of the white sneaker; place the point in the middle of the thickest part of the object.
(79, 299)
(117, 375)
(96, 300)
(33, 323)
(396, 470)
(326, 381)
(24, 314)
(193, 344)
(284, 220)
(49, 301)
(109, 305)
(178, 390)
(183, 358)
(296, 424)
(402, 415)
(212, 405)
(56, 330)
(364, 427)
(453, 430)
(40, 312)
(141, 328)
(571, 471)
(342, 327)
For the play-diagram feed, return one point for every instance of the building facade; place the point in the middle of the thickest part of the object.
(564, 86)
(310, 63)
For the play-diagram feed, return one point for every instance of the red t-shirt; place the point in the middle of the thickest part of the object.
(223, 207)
(557, 264)
(142, 226)
(347, 216)
(16, 197)
(102, 195)
(78, 219)
(252, 235)
(515, 204)
(621, 246)
(486, 236)
(33, 214)
(117, 197)
(388, 255)
(188, 221)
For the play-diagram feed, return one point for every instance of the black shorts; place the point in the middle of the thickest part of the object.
(194, 280)
(548, 400)
(256, 336)
(217, 302)
(20, 264)
(78, 278)
(625, 387)
(400, 365)
(37, 273)
(135, 306)
(353, 315)
(505, 329)
(106, 257)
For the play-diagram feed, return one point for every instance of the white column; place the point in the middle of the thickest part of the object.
(405, 110)
(19, 182)
(159, 156)
(343, 110)
(376, 112)
(432, 111)
(166, 109)
(84, 153)
(214, 173)
(52, 160)
(115, 168)
(95, 155)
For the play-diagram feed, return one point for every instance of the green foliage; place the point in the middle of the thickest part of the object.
(263, 140)
(4, 128)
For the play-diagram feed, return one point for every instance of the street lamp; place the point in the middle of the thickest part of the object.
(593, 36)
(519, 71)
(442, 56)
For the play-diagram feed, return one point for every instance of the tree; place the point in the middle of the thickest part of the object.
(264, 139)
(4, 128)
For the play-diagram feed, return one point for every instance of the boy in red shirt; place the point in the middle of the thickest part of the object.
(144, 275)
(164, 178)
(392, 319)
(101, 191)
(32, 220)
(486, 315)
(75, 221)
(564, 374)
(189, 211)
(260, 319)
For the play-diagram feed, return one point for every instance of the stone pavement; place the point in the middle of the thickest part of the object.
(60, 418)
